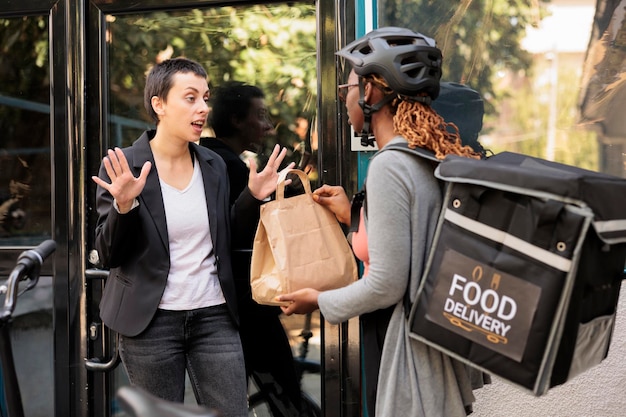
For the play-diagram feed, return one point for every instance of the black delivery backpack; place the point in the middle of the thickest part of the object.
(524, 273)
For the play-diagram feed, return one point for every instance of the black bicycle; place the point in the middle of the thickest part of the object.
(267, 402)
(26, 270)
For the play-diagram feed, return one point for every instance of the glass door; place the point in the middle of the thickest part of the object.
(70, 87)
(278, 47)
(26, 199)
(38, 195)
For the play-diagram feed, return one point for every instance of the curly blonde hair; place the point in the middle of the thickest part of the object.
(422, 126)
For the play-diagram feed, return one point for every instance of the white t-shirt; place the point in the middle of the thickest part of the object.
(192, 281)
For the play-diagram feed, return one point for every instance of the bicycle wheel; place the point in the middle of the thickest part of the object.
(258, 406)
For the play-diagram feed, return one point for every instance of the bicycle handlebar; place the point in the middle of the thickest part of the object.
(36, 257)
(28, 265)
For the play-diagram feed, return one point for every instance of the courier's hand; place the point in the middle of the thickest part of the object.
(334, 197)
(263, 184)
(301, 302)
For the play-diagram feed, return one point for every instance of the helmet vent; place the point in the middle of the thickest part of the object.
(434, 57)
(400, 42)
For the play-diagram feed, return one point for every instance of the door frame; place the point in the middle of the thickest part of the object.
(78, 126)
(340, 351)
(67, 190)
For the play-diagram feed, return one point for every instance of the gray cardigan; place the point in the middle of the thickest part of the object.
(403, 202)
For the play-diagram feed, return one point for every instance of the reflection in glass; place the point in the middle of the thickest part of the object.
(270, 46)
(25, 199)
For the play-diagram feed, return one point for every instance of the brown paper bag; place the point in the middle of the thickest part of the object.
(298, 244)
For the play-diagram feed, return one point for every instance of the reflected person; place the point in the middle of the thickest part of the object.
(239, 118)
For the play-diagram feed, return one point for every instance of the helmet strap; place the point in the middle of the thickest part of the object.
(419, 99)
(368, 111)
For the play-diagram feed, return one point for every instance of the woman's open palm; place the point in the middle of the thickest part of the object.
(124, 186)
(263, 184)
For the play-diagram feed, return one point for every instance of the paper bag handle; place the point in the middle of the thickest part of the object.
(280, 189)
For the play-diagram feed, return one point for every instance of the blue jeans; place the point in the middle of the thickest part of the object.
(204, 342)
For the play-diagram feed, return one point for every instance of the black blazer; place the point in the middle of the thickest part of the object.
(135, 245)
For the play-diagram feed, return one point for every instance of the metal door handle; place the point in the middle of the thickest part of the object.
(98, 364)
(102, 364)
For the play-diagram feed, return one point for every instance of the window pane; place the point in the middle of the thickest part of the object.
(25, 170)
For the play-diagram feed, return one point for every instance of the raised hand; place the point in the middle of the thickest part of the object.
(124, 186)
(263, 184)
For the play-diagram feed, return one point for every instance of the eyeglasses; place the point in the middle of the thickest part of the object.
(343, 90)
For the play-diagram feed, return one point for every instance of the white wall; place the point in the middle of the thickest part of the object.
(599, 392)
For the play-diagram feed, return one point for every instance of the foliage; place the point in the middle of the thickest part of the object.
(274, 47)
(478, 38)
(24, 129)
(481, 41)
(271, 46)
(26, 78)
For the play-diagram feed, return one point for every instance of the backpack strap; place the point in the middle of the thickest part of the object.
(430, 157)
(404, 147)
(355, 209)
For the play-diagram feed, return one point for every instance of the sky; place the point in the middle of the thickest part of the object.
(566, 30)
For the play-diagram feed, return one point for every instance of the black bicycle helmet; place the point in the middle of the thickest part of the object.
(409, 61)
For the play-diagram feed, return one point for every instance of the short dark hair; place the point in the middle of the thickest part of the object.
(159, 80)
(233, 98)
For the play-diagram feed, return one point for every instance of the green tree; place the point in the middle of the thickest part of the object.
(271, 46)
(481, 41)
(24, 74)
(478, 38)
(24, 128)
